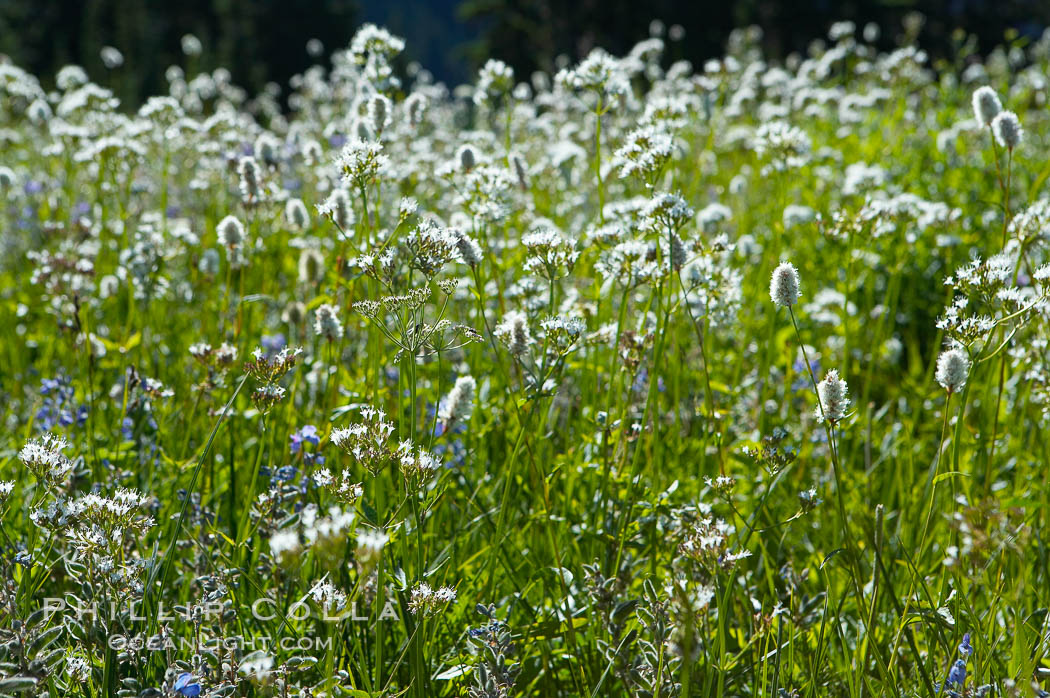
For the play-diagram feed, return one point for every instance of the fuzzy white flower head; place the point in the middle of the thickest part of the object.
(311, 266)
(249, 184)
(514, 332)
(379, 109)
(321, 530)
(986, 105)
(209, 262)
(266, 149)
(834, 397)
(459, 403)
(6, 486)
(467, 248)
(466, 157)
(326, 322)
(783, 286)
(230, 232)
(7, 178)
(191, 45)
(416, 107)
(296, 214)
(953, 367)
(795, 215)
(111, 57)
(226, 354)
(1007, 129)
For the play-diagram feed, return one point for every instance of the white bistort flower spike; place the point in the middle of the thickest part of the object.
(783, 286)
(986, 105)
(230, 232)
(326, 322)
(311, 266)
(248, 171)
(1007, 129)
(953, 367)
(459, 403)
(834, 397)
(514, 332)
(296, 214)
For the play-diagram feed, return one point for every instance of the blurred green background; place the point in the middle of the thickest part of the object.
(265, 40)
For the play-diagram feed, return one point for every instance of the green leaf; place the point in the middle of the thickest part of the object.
(17, 684)
(453, 673)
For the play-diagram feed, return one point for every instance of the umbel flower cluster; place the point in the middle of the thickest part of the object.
(635, 378)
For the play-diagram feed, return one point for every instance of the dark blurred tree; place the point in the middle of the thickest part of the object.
(257, 40)
(433, 35)
(265, 40)
(530, 34)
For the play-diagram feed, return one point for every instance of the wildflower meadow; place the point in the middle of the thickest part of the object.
(638, 379)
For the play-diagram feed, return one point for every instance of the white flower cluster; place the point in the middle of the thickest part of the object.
(599, 72)
(44, 458)
(787, 147)
(427, 601)
(366, 441)
(343, 487)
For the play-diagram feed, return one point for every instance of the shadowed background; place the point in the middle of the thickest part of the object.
(265, 40)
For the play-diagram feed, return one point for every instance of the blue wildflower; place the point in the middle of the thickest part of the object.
(186, 685)
(965, 648)
(307, 434)
(801, 375)
(286, 473)
(59, 407)
(641, 381)
(486, 630)
(272, 344)
(957, 676)
(454, 448)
